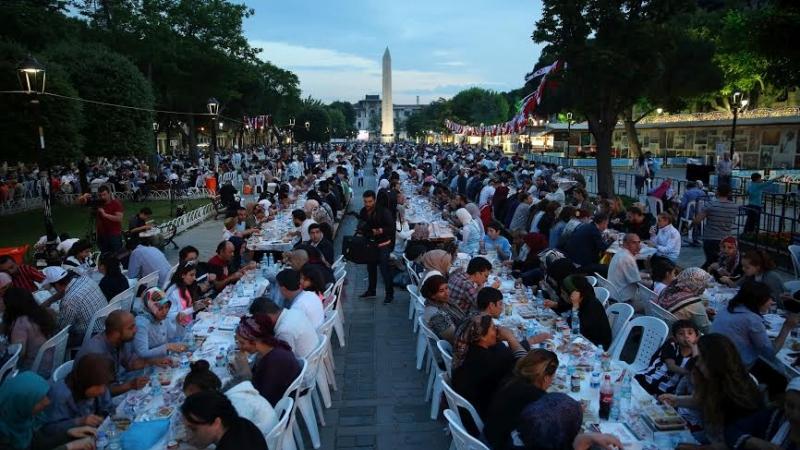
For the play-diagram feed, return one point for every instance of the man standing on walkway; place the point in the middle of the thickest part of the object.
(755, 201)
(376, 223)
(719, 215)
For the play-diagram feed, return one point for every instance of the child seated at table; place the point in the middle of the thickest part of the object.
(673, 361)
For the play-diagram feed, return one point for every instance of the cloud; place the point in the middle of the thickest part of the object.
(330, 74)
(451, 63)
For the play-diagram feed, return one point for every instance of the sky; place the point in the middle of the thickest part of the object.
(438, 47)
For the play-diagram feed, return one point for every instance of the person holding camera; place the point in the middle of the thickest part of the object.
(108, 221)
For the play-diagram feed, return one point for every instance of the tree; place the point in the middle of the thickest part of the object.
(349, 113)
(338, 128)
(61, 119)
(102, 75)
(616, 51)
(476, 105)
(319, 123)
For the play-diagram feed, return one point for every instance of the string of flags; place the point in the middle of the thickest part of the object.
(524, 108)
(258, 122)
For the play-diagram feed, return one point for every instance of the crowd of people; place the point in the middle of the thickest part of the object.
(543, 227)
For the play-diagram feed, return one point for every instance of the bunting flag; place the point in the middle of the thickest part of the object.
(258, 122)
(525, 107)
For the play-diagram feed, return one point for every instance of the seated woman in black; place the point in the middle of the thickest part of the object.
(580, 297)
(533, 375)
(481, 360)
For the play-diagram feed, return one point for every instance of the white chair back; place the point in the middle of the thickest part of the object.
(645, 294)
(456, 401)
(278, 434)
(339, 273)
(11, 362)
(609, 286)
(62, 371)
(651, 308)
(99, 315)
(340, 262)
(654, 332)
(326, 327)
(411, 272)
(602, 295)
(124, 299)
(462, 440)
(446, 350)
(654, 205)
(313, 360)
(41, 295)
(171, 273)
(794, 252)
(294, 388)
(592, 280)
(619, 314)
(58, 346)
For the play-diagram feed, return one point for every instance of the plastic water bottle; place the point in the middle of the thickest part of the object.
(626, 391)
(530, 329)
(155, 385)
(102, 440)
(606, 360)
(615, 404)
(184, 361)
(594, 381)
(576, 322)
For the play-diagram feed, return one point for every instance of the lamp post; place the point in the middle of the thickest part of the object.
(569, 130)
(32, 78)
(738, 103)
(213, 110)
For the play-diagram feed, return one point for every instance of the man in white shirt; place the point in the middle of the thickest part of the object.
(667, 239)
(623, 272)
(291, 326)
(486, 193)
(302, 222)
(297, 299)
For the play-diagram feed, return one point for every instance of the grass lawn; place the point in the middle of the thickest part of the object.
(27, 227)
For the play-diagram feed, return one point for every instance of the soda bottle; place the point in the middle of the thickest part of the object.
(606, 398)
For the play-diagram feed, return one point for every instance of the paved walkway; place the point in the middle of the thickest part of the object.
(380, 401)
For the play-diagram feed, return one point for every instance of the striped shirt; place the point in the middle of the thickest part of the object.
(720, 218)
(81, 300)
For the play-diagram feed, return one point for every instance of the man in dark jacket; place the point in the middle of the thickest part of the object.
(586, 244)
(375, 222)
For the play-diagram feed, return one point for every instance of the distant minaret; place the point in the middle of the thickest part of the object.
(387, 108)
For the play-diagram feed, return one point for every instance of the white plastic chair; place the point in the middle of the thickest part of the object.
(338, 325)
(648, 297)
(654, 205)
(124, 299)
(619, 314)
(58, 345)
(340, 262)
(446, 350)
(794, 252)
(277, 436)
(99, 315)
(654, 332)
(421, 346)
(688, 219)
(592, 280)
(411, 272)
(41, 295)
(456, 401)
(339, 273)
(413, 292)
(291, 441)
(604, 283)
(171, 273)
(62, 371)
(434, 388)
(602, 295)
(11, 362)
(305, 401)
(462, 440)
(326, 329)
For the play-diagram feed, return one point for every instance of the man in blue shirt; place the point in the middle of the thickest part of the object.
(692, 194)
(755, 201)
(494, 241)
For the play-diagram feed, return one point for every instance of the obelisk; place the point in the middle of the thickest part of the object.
(387, 108)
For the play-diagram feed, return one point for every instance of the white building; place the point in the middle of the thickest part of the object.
(368, 116)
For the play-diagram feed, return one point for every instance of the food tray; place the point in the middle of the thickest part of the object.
(663, 417)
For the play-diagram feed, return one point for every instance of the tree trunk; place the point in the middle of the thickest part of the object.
(603, 130)
(630, 130)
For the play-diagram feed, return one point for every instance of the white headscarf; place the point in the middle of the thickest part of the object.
(463, 216)
(384, 183)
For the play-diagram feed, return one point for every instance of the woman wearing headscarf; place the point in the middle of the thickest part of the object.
(83, 398)
(470, 233)
(729, 263)
(683, 297)
(319, 214)
(24, 397)
(154, 330)
(275, 367)
(475, 212)
(438, 260)
(481, 360)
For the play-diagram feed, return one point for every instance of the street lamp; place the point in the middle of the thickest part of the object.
(738, 103)
(32, 77)
(659, 111)
(569, 130)
(308, 125)
(213, 110)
